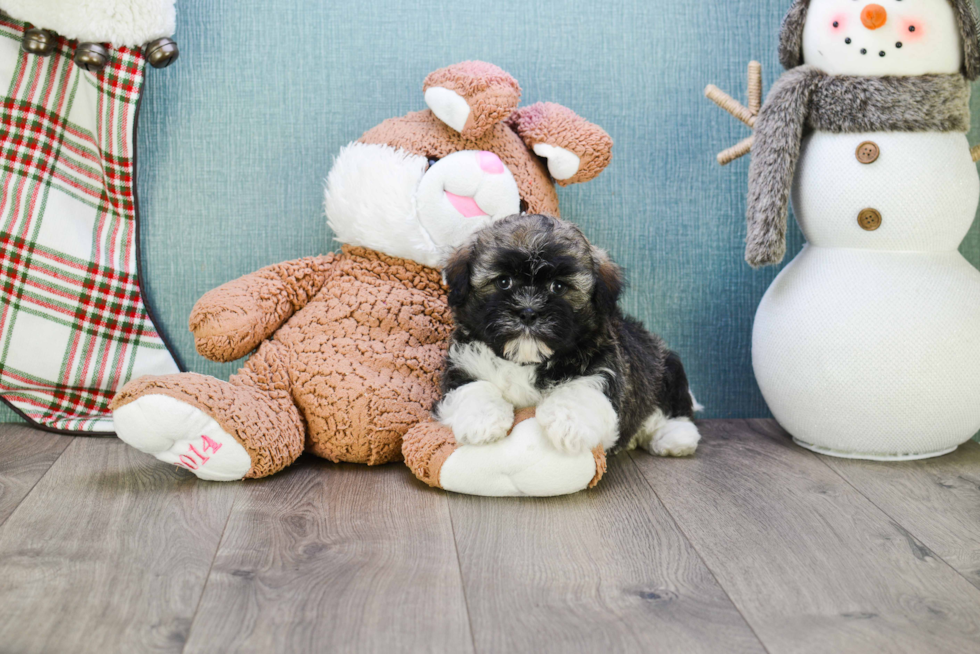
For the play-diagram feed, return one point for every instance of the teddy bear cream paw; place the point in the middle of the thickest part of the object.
(176, 432)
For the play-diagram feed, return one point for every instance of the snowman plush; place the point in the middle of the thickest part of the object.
(867, 345)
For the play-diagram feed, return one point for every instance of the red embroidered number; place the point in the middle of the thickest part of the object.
(207, 445)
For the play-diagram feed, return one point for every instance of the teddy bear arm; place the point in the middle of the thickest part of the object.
(232, 320)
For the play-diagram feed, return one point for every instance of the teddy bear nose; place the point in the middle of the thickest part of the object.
(874, 16)
(490, 163)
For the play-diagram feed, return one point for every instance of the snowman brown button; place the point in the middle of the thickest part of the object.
(869, 220)
(868, 152)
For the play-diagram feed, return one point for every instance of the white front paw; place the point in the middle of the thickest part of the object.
(485, 424)
(566, 430)
(577, 417)
(477, 413)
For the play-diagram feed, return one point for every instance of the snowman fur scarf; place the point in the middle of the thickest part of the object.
(119, 22)
(808, 98)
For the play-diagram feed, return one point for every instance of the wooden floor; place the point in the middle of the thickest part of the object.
(754, 545)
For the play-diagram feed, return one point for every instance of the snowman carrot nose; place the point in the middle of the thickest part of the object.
(874, 16)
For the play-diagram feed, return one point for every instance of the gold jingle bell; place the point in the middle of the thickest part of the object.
(39, 42)
(160, 53)
(91, 56)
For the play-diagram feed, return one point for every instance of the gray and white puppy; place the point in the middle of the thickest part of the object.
(538, 325)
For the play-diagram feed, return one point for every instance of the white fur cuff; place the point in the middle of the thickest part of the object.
(119, 22)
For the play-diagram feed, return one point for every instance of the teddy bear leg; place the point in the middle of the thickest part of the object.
(222, 431)
(426, 447)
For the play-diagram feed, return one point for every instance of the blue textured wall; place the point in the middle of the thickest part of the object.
(237, 137)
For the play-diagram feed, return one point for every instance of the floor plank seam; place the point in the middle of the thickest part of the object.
(207, 579)
(694, 548)
(38, 481)
(909, 531)
(459, 568)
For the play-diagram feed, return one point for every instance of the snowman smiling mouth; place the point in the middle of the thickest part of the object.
(864, 51)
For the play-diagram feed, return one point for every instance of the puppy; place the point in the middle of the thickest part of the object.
(538, 325)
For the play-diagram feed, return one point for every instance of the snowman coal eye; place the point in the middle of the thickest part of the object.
(838, 23)
(912, 30)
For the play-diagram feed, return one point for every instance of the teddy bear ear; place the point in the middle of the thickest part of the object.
(471, 97)
(576, 150)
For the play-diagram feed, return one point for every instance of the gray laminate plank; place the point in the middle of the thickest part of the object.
(937, 501)
(25, 455)
(811, 563)
(345, 558)
(108, 553)
(605, 570)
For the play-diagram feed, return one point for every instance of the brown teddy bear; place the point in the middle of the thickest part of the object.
(349, 346)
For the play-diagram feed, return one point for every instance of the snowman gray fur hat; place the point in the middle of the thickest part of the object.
(967, 16)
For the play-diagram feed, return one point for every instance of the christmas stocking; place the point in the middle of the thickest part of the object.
(73, 323)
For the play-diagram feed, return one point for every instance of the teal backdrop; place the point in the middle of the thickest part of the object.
(237, 137)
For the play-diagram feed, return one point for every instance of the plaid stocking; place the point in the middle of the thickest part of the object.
(73, 324)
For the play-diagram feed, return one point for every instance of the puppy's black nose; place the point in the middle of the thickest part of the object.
(528, 316)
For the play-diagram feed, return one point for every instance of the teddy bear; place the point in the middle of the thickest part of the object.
(347, 348)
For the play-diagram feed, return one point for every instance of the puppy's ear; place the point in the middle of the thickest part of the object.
(608, 282)
(456, 275)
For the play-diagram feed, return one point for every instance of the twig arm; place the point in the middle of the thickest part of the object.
(729, 104)
(747, 115)
(736, 151)
(755, 87)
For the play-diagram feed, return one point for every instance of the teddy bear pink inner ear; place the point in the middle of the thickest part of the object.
(448, 106)
(562, 163)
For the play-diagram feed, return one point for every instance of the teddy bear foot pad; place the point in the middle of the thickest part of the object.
(176, 432)
(524, 464)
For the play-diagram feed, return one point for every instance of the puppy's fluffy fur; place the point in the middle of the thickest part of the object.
(538, 324)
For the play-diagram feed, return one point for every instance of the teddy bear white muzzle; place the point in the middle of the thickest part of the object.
(464, 192)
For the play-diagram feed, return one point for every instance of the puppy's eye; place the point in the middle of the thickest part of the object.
(505, 283)
(558, 288)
